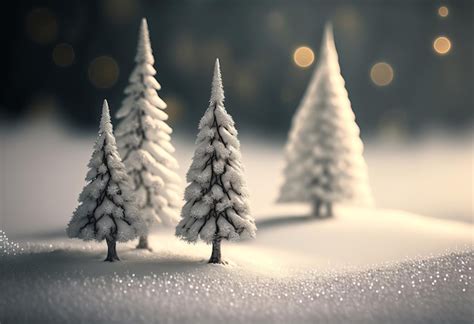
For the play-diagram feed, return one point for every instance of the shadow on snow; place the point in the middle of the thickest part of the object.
(90, 262)
(268, 223)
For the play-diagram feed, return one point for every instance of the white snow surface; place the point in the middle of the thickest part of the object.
(371, 266)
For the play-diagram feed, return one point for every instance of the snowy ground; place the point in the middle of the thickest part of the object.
(298, 270)
(373, 266)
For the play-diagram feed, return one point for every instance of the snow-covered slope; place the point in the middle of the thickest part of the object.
(361, 237)
(429, 291)
(298, 270)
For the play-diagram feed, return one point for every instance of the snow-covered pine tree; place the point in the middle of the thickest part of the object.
(216, 198)
(144, 143)
(324, 161)
(107, 207)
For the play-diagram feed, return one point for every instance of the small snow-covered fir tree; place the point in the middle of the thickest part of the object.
(144, 143)
(324, 161)
(107, 208)
(216, 198)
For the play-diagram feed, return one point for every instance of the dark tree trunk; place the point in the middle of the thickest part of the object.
(111, 251)
(317, 208)
(329, 209)
(143, 243)
(216, 251)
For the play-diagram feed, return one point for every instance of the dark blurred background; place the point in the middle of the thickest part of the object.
(61, 58)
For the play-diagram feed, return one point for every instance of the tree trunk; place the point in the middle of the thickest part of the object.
(317, 208)
(111, 250)
(143, 243)
(216, 251)
(329, 209)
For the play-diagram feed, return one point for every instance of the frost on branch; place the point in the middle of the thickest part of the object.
(144, 141)
(106, 208)
(324, 161)
(216, 198)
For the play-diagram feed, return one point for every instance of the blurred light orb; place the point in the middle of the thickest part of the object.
(120, 11)
(174, 107)
(103, 72)
(348, 18)
(276, 21)
(381, 74)
(443, 11)
(303, 56)
(185, 52)
(63, 55)
(442, 45)
(246, 83)
(41, 26)
(43, 106)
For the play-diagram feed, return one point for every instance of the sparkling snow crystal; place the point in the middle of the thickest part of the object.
(434, 290)
(8, 247)
(143, 139)
(324, 162)
(216, 198)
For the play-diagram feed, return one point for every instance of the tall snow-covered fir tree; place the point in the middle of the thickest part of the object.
(144, 143)
(324, 161)
(216, 198)
(107, 207)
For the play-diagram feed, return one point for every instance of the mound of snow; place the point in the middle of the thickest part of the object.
(359, 237)
(298, 270)
(75, 286)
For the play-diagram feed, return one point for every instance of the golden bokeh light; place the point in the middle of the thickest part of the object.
(103, 72)
(303, 56)
(349, 19)
(41, 26)
(120, 11)
(381, 74)
(174, 107)
(276, 21)
(442, 45)
(443, 11)
(43, 106)
(246, 83)
(63, 55)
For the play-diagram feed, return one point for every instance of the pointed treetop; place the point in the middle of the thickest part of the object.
(105, 123)
(317, 171)
(144, 52)
(328, 32)
(328, 48)
(217, 92)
